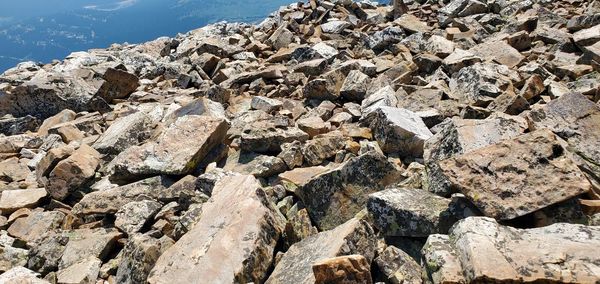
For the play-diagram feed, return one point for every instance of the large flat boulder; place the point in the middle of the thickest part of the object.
(335, 196)
(177, 151)
(478, 250)
(234, 240)
(353, 237)
(517, 177)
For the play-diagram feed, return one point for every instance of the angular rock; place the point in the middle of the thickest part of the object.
(173, 152)
(11, 200)
(123, 133)
(335, 196)
(139, 256)
(19, 125)
(355, 86)
(349, 269)
(353, 237)
(225, 245)
(398, 267)
(21, 275)
(407, 212)
(587, 36)
(249, 163)
(317, 150)
(73, 172)
(82, 272)
(118, 84)
(557, 253)
(267, 105)
(399, 130)
(462, 136)
(132, 216)
(498, 51)
(33, 226)
(269, 140)
(517, 177)
(88, 243)
(335, 27)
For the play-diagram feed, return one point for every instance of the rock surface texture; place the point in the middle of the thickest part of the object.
(453, 141)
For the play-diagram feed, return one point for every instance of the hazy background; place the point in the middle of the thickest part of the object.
(42, 30)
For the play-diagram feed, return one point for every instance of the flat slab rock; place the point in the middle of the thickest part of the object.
(560, 253)
(233, 242)
(176, 151)
(517, 177)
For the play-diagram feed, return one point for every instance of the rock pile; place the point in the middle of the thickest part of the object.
(335, 142)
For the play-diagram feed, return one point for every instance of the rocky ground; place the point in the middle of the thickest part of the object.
(335, 142)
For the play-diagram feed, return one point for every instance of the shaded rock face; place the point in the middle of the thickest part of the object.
(325, 144)
(517, 177)
(473, 241)
(334, 197)
(225, 245)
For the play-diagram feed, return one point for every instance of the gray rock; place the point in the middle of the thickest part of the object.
(385, 38)
(398, 130)
(265, 104)
(335, 27)
(21, 275)
(335, 196)
(353, 237)
(18, 125)
(398, 267)
(249, 163)
(132, 216)
(123, 133)
(84, 243)
(269, 140)
(355, 86)
(139, 256)
(407, 212)
(83, 272)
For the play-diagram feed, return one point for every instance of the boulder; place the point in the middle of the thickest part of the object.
(459, 136)
(139, 256)
(88, 243)
(173, 152)
(396, 266)
(32, 227)
(557, 253)
(270, 140)
(132, 216)
(73, 172)
(123, 133)
(258, 165)
(19, 125)
(225, 245)
(118, 84)
(408, 212)
(335, 196)
(353, 237)
(587, 36)
(498, 51)
(335, 27)
(348, 269)
(398, 130)
(21, 275)
(516, 177)
(355, 86)
(83, 272)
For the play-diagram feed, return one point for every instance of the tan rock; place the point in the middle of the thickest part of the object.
(62, 117)
(88, 243)
(70, 133)
(83, 272)
(517, 177)
(349, 269)
(225, 245)
(312, 125)
(11, 170)
(35, 225)
(73, 172)
(11, 200)
(498, 51)
(300, 176)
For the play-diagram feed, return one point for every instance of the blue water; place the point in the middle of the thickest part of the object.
(43, 30)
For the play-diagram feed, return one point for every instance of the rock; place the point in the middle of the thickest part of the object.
(300, 176)
(517, 177)
(21, 275)
(83, 272)
(291, 154)
(159, 157)
(587, 36)
(249, 163)
(458, 59)
(343, 269)
(399, 130)
(321, 148)
(353, 237)
(498, 51)
(11, 200)
(88, 243)
(281, 38)
(249, 235)
(19, 125)
(118, 84)
(61, 117)
(11, 170)
(335, 27)
(460, 136)
(70, 133)
(480, 83)
(132, 216)
(33, 226)
(574, 118)
(522, 255)
(385, 96)
(73, 172)
(335, 196)
(412, 24)
(312, 125)
(46, 251)
(396, 266)
(266, 104)
(50, 160)
(139, 256)
(11, 257)
(269, 140)
(407, 212)
(109, 201)
(323, 50)
(123, 133)
(385, 38)
(355, 86)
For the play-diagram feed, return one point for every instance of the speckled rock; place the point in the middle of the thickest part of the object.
(557, 253)
(353, 237)
(335, 196)
(348, 269)
(396, 266)
(139, 256)
(517, 177)
(406, 212)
